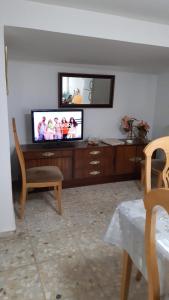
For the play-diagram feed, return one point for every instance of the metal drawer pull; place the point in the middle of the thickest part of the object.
(135, 159)
(94, 172)
(48, 154)
(132, 159)
(94, 152)
(94, 162)
(138, 158)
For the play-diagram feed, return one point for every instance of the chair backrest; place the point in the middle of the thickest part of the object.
(152, 199)
(163, 144)
(19, 152)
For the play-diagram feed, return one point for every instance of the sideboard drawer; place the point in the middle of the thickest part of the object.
(61, 159)
(46, 154)
(93, 162)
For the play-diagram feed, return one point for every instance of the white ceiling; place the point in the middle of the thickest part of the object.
(150, 10)
(37, 45)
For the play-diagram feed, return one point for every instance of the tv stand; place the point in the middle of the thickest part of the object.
(83, 164)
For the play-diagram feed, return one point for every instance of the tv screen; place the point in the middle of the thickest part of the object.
(57, 125)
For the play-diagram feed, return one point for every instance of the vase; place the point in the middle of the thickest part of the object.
(142, 134)
(130, 135)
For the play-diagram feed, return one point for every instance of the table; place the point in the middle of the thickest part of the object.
(126, 230)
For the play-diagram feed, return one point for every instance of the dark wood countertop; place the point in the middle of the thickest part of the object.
(75, 145)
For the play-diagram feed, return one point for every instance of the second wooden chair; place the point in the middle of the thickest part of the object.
(152, 198)
(37, 177)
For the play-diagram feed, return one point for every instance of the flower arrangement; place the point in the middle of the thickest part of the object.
(127, 123)
(144, 126)
(135, 128)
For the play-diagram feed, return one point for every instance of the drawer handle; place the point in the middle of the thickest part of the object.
(138, 158)
(48, 154)
(135, 159)
(94, 152)
(132, 159)
(94, 162)
(94, 172)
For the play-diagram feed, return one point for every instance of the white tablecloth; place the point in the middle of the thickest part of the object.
(126, 230)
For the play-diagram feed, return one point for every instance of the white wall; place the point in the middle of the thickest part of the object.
(161, 117)
(7, 222)
(34, 86)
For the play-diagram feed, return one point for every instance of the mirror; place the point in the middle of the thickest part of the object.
(85, 90)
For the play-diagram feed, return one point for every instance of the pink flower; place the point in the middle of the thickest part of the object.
(127, 123)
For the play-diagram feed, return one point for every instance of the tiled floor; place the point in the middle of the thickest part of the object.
(53, 257)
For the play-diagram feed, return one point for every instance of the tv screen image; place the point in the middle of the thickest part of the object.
(57, 125)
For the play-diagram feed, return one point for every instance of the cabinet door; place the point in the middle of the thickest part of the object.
(139, 152)
(125, 159)
(51, 158)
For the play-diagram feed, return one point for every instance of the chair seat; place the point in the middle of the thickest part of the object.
(44, 174)
(157, 164)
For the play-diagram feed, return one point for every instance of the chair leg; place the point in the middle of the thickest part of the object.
(126, 274)
(142, 176)
(58, 190)
(22, 200)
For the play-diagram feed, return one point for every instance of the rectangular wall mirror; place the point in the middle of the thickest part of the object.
(85, 90)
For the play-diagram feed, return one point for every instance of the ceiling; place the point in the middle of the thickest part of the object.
(150, 10)
(37, 45)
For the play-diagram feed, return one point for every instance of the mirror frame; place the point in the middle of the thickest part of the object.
(111, 92)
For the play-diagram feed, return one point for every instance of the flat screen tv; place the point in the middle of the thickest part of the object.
(57, 125)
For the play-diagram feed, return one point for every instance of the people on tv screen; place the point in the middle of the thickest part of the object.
(56, 129)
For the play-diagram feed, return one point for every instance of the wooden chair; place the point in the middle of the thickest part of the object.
(157, 166)
(37, 177)
(152, 198)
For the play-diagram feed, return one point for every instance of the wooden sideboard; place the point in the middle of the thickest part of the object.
(83, 164)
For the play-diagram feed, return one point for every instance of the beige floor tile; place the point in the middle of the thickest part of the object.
(71, 278)
(72, 259)
(52, 244)
(15, 252)
(38, 202)
(21, 284)
(45, 222)
(21, 231)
